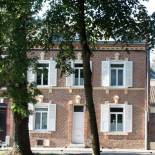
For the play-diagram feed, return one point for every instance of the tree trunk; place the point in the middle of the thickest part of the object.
(86, 54)
(21, 140)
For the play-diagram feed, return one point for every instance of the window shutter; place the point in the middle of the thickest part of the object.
(69, 78)
(128, 74)
(105, 117)
(31, 116)
(105, 74)
(51, 117)
(52, 73)
(127, 118)
(91, 65)
(31, 75)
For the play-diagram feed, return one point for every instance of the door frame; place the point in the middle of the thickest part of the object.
(80, 105)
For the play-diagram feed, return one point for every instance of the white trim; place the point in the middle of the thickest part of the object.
(117, 133)
(1, 99)
(146, 130)
(95, 88)
(43, 61)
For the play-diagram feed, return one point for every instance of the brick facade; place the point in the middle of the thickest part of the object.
(64, 98)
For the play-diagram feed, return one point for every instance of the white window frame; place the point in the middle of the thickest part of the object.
(116, 114)
(41, 113)
(105, 118)
(44, 62)
(127, 73)
(41, 105)
(79, 75)
(123, 68)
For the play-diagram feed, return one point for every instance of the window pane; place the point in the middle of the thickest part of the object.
(42, 65)
(78, 108)
(44, 120)
(117, 65)
(45, 76)
(76, 76)
(78, 65)
(113, 77)
(113, 122)
(39, 73)
(119, 122)
(37, 120)
(120, 77)
(116, 109)
(41, 109)
(81, 77)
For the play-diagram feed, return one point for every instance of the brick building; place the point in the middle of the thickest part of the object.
(119, 78)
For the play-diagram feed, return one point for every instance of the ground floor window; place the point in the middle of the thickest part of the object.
(116, 118)
(41, 118)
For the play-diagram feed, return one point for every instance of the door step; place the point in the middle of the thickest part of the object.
(76, 146)
(152, 145)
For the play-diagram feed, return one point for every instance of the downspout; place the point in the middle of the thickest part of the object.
(147, 96)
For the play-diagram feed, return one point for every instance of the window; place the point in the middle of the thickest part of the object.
(45, 74)
(78, 74)
(116, 119)
(117, 74)
(78, 108)
(42, 74)
(41, 118)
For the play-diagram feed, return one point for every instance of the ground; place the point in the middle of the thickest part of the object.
(105, 153)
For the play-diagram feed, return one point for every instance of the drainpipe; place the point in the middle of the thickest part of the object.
(147, 96)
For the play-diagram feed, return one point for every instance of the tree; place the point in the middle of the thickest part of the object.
(17, 37)
(93, 20)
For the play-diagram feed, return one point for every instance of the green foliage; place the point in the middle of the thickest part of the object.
(18, 35)
(124, 21)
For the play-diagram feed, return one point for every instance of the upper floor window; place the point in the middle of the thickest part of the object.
(42, 74)
(78, 74)
(77, 78)
(117, 74)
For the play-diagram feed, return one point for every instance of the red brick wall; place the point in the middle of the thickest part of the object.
(62, 136)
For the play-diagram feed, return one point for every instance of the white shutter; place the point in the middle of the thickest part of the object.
(105, 74)
(52, 73)
(128, 74)
(91, 65)
(31, 116)
(70, 78)
(105, 117)
(127, 118)
(51, 117)
(31, 75)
